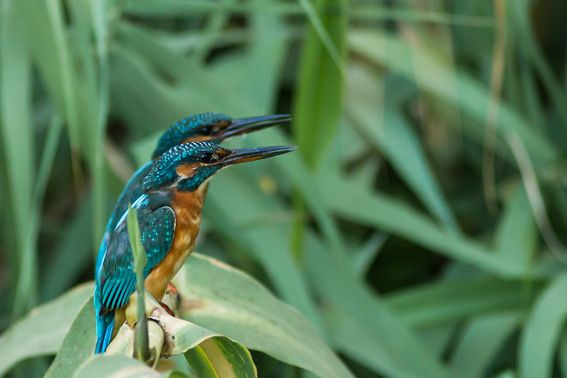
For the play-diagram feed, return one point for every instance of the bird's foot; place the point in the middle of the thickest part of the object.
(171, 289)
(170, 300)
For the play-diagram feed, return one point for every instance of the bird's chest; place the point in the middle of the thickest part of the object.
(188, 221)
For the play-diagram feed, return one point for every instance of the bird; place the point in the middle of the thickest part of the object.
(168, 210)
(211, 126)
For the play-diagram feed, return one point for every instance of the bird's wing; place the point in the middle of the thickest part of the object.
(116, 278)
(131, 192)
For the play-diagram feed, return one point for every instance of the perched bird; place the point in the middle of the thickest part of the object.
(214, 127)
(169, 215)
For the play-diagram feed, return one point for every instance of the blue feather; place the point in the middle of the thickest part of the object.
(115, 280)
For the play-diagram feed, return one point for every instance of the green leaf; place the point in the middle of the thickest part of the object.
(18, 153)
(480, 343)
(42, 331)
(232, 304)
(220, 357)
(141, 347)
(516, 235)
(543, 329)
(319, 94)
(80, 341)
(78, 345)
(120, 366)
(375, 111)
(70, 251)
(453, 300)
(393, 216)
(235, 305)
(365, 254)
(362, 324)
(52, 57)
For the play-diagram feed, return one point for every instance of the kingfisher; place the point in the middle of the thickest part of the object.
(211, 126)
(164, 207)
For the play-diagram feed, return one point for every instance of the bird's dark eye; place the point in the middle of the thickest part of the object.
(206, 130)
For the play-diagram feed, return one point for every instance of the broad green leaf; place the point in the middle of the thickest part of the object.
(235, 305)
(231, 304)
(563, 354)
(480, 343)
(354, 340)
(220, 357)
(364, 325)
(453, 300)
(543, 329)
(78, 345)
(438, 338)
(120, 366)
(279, 264)
(42, 331)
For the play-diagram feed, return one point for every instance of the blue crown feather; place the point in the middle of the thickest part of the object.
(163, 170)
(186, 128)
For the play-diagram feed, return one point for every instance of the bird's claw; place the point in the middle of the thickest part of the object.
(167, 309)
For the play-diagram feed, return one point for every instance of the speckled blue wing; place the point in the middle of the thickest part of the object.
(117, 279)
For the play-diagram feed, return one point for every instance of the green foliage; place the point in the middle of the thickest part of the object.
(42, 331)
(233, 305)
(102, 366)
(408, 268)
(220, 357)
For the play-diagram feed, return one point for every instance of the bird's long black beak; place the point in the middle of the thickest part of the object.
(243, 155)
(247, 125)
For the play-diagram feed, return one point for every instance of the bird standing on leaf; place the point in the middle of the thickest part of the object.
(168, 195)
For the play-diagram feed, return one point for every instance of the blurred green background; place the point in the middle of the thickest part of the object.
(420, 227)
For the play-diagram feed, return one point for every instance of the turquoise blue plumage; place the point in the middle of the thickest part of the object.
(116, 280)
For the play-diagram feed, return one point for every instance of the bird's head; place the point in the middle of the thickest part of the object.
(214, 127)
(189, 165)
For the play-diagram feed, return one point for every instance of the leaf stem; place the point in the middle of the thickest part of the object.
(141, 342)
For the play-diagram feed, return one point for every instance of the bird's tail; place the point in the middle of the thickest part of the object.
(104, 329)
